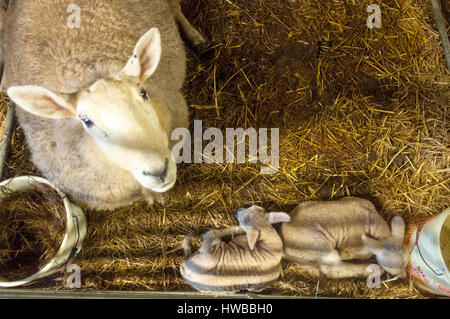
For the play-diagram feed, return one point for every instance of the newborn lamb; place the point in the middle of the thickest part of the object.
(249, 260)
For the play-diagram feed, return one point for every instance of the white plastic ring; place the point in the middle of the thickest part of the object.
(75, 226)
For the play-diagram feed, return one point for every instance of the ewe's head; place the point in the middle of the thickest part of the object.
(391, 253)
(120, 113)
(254, 218)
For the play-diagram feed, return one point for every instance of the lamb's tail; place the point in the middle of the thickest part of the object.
(187, 245)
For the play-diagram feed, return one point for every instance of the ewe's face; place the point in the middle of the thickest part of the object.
(120, 115)
(131, 129)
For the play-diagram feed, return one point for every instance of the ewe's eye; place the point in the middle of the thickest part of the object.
(144, 94)
(88, 122)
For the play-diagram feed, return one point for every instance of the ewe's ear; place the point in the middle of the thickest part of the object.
(146, 56)
(252, 236)
(278, 217)
(374, 245)
(42, 102)
(398, 227)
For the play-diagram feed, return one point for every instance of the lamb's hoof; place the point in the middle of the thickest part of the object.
(198, 39)
(150, 199)
(159, 198)
(204, 53)
(199, 43)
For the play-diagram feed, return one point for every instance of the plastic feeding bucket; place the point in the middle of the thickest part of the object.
(75, 228)
(430, 254)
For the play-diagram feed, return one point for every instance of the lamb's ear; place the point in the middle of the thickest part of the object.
(374, 245)
(146, 56)
(278, 217)
(252, 236)
(43, 102)
(398, 227)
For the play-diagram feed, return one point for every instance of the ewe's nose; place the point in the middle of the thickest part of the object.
(158, 175)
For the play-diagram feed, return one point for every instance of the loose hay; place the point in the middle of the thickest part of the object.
(361, 112)
(32, 227)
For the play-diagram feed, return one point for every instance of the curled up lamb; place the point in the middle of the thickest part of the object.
(326, 237)
(244, 257)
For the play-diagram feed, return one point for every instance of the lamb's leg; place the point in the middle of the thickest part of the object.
(349, 253)
(304, 258)
(332, 266)
(345, 270)
(192, 34)
(311, 268)
(187, 245)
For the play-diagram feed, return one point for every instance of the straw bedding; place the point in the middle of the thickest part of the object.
(361, 112)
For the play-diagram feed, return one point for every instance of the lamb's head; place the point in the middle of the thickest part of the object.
(255, 218)
(391, 253)
(120, 113)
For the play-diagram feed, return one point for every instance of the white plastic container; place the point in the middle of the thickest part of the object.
(427, 266)
(75, 227)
